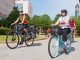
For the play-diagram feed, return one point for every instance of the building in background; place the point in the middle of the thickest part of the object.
(25, 6)
(77, 9)
(6, 6)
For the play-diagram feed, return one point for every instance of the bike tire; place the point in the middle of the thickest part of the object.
(72, 37)
(10, 35)
(68, 43)
(29, 42)
(54, 39)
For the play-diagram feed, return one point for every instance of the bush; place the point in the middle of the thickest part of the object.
(4, 31)
(77, 22)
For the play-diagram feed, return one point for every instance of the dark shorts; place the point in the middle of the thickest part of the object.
(64, 33)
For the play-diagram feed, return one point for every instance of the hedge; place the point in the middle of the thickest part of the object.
(77, 22)
(4, 31)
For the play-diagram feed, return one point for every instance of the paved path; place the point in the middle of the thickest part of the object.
(39, 51)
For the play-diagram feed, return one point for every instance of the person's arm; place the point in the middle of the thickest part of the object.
(74, 25)
(23, 18)
(16, 21)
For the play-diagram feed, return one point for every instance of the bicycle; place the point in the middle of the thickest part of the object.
(56, 44)
(72, 35)
(13, 37)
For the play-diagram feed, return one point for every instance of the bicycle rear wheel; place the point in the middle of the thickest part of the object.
(53, 46)
(29, 41)
(68, 43)
(12, 40)
(72, 37)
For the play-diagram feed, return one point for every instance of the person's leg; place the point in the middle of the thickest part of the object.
(60, 31)
(22, 39)
(65, 33)
(29, 30)
(22, 32)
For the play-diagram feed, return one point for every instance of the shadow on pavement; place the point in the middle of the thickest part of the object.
(21, 46)
(74, 41)
(72, 49)
(35, 44)
(62, 52)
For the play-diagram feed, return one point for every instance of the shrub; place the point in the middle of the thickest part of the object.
(77, 22)
(4, 31)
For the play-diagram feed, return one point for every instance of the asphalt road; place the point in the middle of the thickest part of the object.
(39, 51)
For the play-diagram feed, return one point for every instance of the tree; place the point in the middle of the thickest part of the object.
(42, 21)
(35, 21)
(77, 22)
(12, 16)
(57, 16)
(28, 17)
(45, 21)
(78, 18)
(2, 23)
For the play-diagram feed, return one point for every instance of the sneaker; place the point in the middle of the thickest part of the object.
(65, 50)
(21, 43)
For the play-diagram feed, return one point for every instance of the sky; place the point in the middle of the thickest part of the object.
(53, 7)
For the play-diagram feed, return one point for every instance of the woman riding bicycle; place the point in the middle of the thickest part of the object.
(64, 27)
(22, 20)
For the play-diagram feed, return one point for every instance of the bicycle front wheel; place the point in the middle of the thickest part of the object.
(12, 40)
(53, 46)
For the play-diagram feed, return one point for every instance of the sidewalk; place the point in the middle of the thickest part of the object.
(1, 44)
(77, 38)
(39, 51)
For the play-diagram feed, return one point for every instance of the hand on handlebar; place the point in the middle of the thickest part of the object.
(12, 24)
(52, 25)
(20, 23)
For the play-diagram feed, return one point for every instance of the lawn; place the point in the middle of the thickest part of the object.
(2, 37)
(39, 37)
(78, 38)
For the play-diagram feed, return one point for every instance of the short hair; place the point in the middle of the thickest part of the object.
(64, 11)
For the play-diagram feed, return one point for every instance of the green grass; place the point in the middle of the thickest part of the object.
(2, 37)
(78, 37)
(39, 37)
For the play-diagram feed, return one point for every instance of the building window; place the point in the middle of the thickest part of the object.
(78, 12)
(20, 6)
(78, 6)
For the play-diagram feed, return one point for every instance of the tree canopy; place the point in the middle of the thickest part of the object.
(42, 21)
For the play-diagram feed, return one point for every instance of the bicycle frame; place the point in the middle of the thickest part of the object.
(17, 31)
(61, 42)
(56, 44)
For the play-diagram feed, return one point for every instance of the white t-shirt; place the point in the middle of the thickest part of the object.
(64, 22)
